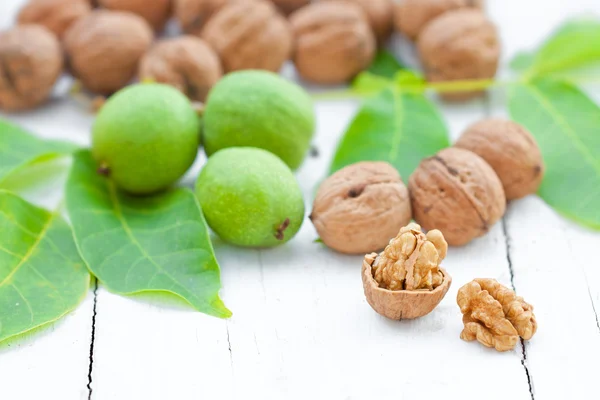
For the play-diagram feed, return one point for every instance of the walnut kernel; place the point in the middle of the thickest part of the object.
(56, 15)
(30, 63)
(358, 208)
(494, 314)
(155, 12)
(510, 150)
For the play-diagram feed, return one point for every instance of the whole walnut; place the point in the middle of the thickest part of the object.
(249, 35)
(192, 15)
(380, 15)
(360, 207)
(32, 61)
(186, 62)
(155, 12)
(104, 49)
(459, 45)
(511, 151)
(333, 41)
(411, 16)
(56, 15)
(457, 192)
(289, 6)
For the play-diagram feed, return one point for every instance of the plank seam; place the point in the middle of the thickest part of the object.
(91, 356)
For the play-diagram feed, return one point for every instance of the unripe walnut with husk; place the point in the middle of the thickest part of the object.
(192, 15)
(155, 12)
(249, 35)
(411, 16)
(460, 45)
(56, 15)
(104, 49)
(457, 192)
(511, 151)
(380, 15)
(32, 61)
(186, 62)
(333, 41)
(360, 207)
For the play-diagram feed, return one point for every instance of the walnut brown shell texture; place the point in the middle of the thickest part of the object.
(510, 150)
(104, 49)
(333, 41)
(249, 35)
(192, 15)
(380, 15)
(31, 63)
(289, 6)
(185, 62)
(56, 15)
(155, 12)
(457, 192)
(405, 281)
(360, 207)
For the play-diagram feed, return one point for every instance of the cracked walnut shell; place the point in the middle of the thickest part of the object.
(56, 15)
(358, 208)
(511, 151)
(186, 63)
(494, 315)
(457, 192)
(333, 41)
(155, 12)
(30, 63)
(405, 281)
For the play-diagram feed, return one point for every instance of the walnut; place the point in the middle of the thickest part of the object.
(155, 12)
(511, 151)
(186, 62)
(358, 208)
(459, 45)
(31, 61)
(494, 314)
(249, 35)
(289, 6)
(56, 15)
(104, 49)
(333, 41)
(457, 192)
(405, 280)
(411, 16)
(192, 15)
(380, 15)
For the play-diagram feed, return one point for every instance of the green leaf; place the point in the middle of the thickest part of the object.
(398, 127)
(18, 148)
(143, 244)
(385, 65)
(42, 276)
(367, 83)
(566, 125)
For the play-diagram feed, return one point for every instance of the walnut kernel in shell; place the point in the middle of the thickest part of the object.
(56, 15)
(104, 49)
(380, 15)
(510, 150)
(333, 41)
(155, 12)
(31, 61)
(186, 63)
(358, 208)
(457, 192)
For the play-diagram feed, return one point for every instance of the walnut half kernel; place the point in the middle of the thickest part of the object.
(405, 281)
(494, 315)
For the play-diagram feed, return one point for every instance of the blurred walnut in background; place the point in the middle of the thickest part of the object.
(380, 15)
(56, 15)
(289, 6)
(192, 15)
(156, 12)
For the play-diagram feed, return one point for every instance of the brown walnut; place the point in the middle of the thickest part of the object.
(192, 15)
(186, 63)
(405, 280)
(459, 45)
(31, 61)
(411, 16)
(380, 15)
(104, 49)
(56, 15)
(358, 208)
(457, 192)
(494, 315)
(333, 41)
(289, 6)
(155, 12)
(249, 35)
(511, 151)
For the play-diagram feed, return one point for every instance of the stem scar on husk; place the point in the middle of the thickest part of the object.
(103, 169)
(281, 229)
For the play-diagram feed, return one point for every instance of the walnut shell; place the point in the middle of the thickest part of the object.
(249, 35)
(411, 16)
(511, 151)
(380, 15)
(333, 41)
(155, 12)
(104, 49)
(360, 207)
(186, 62)
(56, 15)
(289, 6)
(457, 192)
(459, 45)
(192, 15)
(401, 304)
(32, 61)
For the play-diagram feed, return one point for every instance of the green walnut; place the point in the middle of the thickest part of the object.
(146, 137)
(250, 197)
(259, 109)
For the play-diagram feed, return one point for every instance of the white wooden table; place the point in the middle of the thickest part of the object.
(301, 327)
